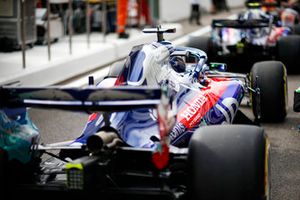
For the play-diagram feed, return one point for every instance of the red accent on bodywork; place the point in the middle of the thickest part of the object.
(275, 35)
(191, 114)
(92, 117)
(120, 80)
(161, 158)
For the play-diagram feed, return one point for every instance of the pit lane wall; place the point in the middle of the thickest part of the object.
(180, 9)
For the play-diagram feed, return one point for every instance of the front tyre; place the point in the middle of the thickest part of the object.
(270, 104)
(229, 162)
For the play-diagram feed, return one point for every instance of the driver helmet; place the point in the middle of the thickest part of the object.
(177, 63)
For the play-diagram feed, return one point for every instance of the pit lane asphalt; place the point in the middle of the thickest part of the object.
(57, 126)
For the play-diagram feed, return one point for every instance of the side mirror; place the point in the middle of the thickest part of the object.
(222, 67)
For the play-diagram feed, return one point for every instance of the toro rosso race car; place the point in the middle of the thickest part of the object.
(255, 35)
(166, 125)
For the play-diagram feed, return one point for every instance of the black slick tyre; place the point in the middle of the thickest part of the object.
(288, 51)
(229, 162)
(203, 43)
(269, 78)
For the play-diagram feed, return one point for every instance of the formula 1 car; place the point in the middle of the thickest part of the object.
(255, 35)
(166, 125)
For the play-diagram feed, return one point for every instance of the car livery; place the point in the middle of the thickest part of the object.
(164, 125)
(196, 105)
(254, 35)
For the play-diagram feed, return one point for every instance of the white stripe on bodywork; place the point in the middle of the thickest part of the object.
(228, 103)
(152, 64)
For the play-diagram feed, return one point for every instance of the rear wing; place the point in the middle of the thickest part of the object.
(81, 99)
(240, 24)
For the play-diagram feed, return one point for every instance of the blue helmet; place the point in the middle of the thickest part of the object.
(177, 63)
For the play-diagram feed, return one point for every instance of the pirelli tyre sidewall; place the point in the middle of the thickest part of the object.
(203, 43)
(269, 78)
(229, 162)
(288, 51)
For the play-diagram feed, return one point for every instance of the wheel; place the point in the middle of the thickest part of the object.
(229, 162)
(296, 29)
(203, 43)
(199, 42)
(288, 51)
(270, 105)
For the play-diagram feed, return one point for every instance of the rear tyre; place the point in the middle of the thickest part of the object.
(271, 79)
(228, 162)
(203, 43)
(296, 29)
(288, 51)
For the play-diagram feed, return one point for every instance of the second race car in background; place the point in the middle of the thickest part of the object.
(254, 36)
